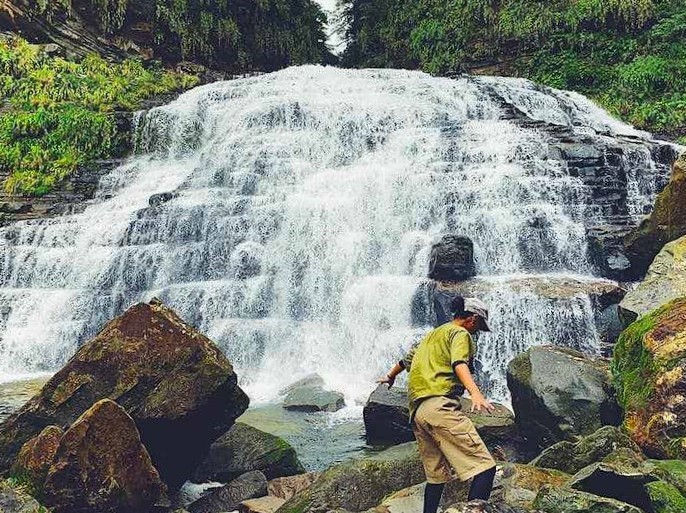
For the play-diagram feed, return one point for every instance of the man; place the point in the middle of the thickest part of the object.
(441, 368)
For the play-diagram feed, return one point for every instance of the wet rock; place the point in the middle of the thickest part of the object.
(665, 281)
(387, 420)
(665, 498)
(101, 465)
(649, 369)
(309, 395)
(571, 457)
(624, 483)
(665, 224)
(452, 259)
(552, 499)
(559, 394)
(158, 199)
(360, 484)
(36, 457)
(227, 498)
(267, 504)
(174, 382)
(13, 500)
(287, 487)
(243, 449)
(517, 485)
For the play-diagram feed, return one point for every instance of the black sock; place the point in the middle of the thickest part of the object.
(482, 484)
(432, 497)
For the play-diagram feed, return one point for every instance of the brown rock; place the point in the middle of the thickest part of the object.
(173, 381)
(36, 456)
(287, 487)
(267, 504)
(102, 466)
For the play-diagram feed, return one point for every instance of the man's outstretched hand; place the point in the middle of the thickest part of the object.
(481, 404)
(386, 380)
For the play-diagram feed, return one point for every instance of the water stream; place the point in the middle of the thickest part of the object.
(290, 217)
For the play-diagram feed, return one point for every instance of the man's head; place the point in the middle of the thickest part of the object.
(472, 313)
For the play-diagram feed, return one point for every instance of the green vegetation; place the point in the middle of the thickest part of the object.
(626, 54)
(59, 114)
(238, 35)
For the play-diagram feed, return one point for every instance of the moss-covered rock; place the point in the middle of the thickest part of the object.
(36, 457)
(360, 484)
(243, 449)
(552, 499)
(649, 369)
(670, 471)
(559, 394)
(666, 223)
(102, 466)
(665, 281)
(517, 485)
(14, 499)
(571, 457)
(173, 381)
(665, 498)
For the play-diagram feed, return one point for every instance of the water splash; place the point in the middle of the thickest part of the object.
(290, 216)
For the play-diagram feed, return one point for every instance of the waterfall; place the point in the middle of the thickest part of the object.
(290, 217)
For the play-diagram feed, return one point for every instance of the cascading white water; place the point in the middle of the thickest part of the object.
(302, 207)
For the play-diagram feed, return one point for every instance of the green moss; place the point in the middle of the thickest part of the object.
(60, 114)
(665, 498)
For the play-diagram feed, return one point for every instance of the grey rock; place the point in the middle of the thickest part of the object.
(227, 498)
(243, 449)
(552, 499)
(17, 501)
(452, 259)
(571, 457)
(309, 395)
(559, 394)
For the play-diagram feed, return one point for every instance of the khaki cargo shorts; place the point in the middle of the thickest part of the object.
(447, 438)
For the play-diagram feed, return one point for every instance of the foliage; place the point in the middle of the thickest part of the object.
(58, 114)
(626, 54)
(238, 35)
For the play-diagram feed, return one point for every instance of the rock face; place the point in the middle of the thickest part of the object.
(571, 457)
(387, 420)
(358, 485)
(36, 457)
(243, 449)
(553, 499)
(452, 259)
(666, 223)
(665, 281)
(227, 498)
(649, 369)
(173, 381)
(101, 466)
(558, 394)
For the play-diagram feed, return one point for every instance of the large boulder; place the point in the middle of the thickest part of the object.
(517, 485)
(287, 487)
(665, 498)
(554, 499)
(649, 369)
(173, 381)
(666, 223)
(243, 449)
(571, 457)
(102, 466)
(227, 498)
(452, 259)
(387, 420)
(411, 499)
(310, 395)
(559, 394)
(665, 281)
(360, 484)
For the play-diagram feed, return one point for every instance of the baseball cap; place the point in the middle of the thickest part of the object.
(478, 307)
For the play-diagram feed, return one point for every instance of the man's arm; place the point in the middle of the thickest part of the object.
(398, 368)
(479, 402)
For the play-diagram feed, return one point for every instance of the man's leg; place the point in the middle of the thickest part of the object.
(482, 484)
(432, 497)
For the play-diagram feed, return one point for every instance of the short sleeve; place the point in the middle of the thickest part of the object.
(460, 347)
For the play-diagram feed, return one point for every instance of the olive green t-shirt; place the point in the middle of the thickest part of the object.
(431, 364)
